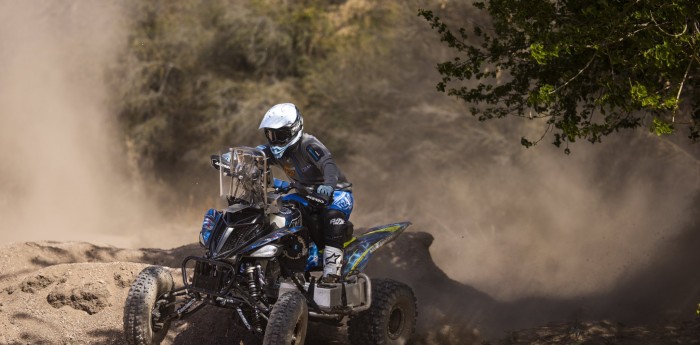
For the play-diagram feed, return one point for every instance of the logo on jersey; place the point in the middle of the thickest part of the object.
(289, 170)
(315, 152)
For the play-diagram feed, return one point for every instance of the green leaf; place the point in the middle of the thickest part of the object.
(620, 61)
(542, 55)
(661, 127)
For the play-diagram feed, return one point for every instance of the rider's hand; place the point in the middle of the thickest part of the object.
(325, 190)
(214, 161)
(282, 189)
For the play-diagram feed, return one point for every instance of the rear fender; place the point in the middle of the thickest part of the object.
(359, 249)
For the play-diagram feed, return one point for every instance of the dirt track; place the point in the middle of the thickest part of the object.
(73, 293)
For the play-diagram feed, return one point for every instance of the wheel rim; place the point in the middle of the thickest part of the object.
(296, 335)
(155, 317)
(396, 322)
(157, 312)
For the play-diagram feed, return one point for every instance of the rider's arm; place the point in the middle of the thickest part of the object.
(321, 157)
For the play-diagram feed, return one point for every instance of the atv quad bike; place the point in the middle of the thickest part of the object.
(260, 261)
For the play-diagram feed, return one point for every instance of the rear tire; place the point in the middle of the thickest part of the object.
(139, 326)
(390, 320)
(288, 321)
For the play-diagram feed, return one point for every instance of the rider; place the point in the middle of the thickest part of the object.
(308, 162)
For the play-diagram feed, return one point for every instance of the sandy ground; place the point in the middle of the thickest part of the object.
(73, 293)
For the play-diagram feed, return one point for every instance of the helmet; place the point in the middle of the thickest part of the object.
(283, 126)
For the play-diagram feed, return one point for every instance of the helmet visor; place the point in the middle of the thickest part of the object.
(280, 136)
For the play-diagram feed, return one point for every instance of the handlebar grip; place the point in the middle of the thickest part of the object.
(311, 194)
(298, 186)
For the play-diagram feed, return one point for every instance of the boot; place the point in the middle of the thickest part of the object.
(332, 264)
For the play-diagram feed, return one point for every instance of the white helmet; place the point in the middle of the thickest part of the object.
(283, 126)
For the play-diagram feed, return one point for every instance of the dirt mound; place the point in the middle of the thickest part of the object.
(79, 303)
(90, 297)
(23, 258)
(77, 290)
(35, 283)
(57, 293)
(605, 332)
(70, 292)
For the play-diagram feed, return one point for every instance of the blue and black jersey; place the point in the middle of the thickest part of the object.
(309, 162)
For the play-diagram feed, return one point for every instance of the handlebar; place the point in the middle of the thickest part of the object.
(308, 192)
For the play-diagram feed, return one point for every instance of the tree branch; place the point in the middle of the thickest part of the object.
(547, 130)
(577, 74)
(685, 28)
(628, 35)
(680, 88)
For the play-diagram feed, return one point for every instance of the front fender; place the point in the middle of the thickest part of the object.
(359, 250)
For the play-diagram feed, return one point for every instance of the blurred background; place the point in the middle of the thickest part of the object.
(109, 111)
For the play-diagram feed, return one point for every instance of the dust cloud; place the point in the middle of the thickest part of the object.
(609, 231)
(514, 222)
(520, 223)
(63, 174)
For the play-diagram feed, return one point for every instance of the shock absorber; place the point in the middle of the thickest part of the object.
(253, 287)
(252, 273)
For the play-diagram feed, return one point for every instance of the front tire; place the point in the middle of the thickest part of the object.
(390, 320)
(140, 328)
(288, 321)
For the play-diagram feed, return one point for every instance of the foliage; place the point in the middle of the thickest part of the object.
(197, 75)
(587, 68)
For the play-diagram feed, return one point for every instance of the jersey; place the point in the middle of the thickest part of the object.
(309, 162)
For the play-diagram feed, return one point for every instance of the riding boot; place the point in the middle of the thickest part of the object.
(332, 264)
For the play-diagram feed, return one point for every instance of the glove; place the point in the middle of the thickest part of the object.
(325, 190)
(214, 161)
(281, 186)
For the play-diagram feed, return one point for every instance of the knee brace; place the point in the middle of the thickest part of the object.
(335, 226)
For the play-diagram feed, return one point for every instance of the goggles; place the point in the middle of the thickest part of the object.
(280, 136)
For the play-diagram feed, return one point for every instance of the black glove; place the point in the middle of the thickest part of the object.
(214, 161)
